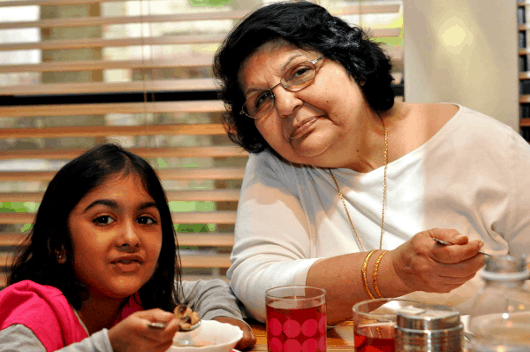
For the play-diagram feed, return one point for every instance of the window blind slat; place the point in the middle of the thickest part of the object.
(182, 60)
(182, 39)
(177, 152)
(181, 85)
(108, 131)
(198, 16)
(216, 195)
(221, 173)
(204, 106)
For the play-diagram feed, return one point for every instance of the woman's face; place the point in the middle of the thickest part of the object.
(316, 124)
(116, 237)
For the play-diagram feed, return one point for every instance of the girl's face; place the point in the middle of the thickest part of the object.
(116, 237)
(316, 124)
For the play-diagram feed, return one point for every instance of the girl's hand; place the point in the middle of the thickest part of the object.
(248, 340)
(424, 265)
(132, 334)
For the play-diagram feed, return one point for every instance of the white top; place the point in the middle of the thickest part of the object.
(472, 176)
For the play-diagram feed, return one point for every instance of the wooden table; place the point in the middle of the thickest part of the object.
(340, 337)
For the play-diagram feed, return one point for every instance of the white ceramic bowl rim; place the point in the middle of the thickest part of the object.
(208, 331)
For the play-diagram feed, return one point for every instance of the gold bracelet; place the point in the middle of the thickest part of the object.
(376, 286)
(363, 270)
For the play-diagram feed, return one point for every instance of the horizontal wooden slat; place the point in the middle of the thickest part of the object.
(524, 122)
(173, 174)
(195, 16)
(108, 131)
(524, 98)
(179, 85)
(176, 152)
(524, 75)
(204, 106)
(214, 195)
(180, 60)
(197, 239)
(356, 9)
(173, 85)
(51, 2)
(212, 217)
(88, 43)
(206, 261)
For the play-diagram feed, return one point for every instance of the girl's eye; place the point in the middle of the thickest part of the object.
(103, 220)
(145, 220)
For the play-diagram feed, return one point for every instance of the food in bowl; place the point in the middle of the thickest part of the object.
(187, 316)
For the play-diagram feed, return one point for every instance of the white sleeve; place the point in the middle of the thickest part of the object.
(272, 244)
(517, 231)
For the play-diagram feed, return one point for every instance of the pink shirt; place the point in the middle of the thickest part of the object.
(45, 310)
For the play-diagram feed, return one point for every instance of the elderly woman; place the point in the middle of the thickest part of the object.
(346, 188)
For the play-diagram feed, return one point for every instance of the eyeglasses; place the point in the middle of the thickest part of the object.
(294, 79)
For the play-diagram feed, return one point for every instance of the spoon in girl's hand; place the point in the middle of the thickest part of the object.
(182, 327)
(445, 243)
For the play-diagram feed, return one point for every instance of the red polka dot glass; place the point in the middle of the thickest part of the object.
(296, 319)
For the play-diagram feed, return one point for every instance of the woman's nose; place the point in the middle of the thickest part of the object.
(128, 239)
(286, 102)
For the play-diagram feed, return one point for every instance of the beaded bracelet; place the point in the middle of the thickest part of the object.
(363, 270)
(376, 286)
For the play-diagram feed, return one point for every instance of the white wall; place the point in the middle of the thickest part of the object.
(463, 51)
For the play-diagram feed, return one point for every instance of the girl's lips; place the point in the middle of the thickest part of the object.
(301, 129)
(127, 265)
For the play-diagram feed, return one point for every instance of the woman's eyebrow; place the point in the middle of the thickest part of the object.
(284, 66)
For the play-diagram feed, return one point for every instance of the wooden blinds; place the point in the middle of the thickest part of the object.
(75, 73)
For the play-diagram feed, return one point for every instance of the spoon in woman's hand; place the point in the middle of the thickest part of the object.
(445, 243)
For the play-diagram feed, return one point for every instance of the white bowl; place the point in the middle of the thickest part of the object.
(211, 335)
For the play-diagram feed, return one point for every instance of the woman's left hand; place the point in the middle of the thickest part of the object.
(248, 340)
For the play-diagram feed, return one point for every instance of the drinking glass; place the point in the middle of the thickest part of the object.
(373, 323)
(296, 319)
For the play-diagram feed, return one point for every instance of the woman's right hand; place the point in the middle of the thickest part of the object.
(133, 334)
(424, 265)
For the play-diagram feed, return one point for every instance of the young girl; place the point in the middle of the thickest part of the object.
(101, 265)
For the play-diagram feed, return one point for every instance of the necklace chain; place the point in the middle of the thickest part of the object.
(384, 195)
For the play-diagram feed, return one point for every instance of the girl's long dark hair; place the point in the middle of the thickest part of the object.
(49, 235)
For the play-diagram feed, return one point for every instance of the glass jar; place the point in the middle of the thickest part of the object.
(499, 320)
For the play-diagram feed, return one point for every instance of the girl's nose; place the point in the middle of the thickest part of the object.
(128, 240)
(286, 102)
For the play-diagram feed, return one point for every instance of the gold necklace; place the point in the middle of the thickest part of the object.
(384, 195)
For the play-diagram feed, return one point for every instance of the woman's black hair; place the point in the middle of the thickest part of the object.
(310, 27)
(49, 235)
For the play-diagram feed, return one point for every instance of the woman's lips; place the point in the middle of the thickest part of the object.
(302, 129)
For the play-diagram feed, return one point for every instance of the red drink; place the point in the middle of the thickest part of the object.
(296, 330)
(374, 338)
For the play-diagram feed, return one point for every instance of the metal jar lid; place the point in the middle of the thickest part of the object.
(428, 317)
(428, 329)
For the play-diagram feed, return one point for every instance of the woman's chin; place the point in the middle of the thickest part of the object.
(307, 152)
